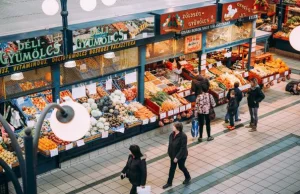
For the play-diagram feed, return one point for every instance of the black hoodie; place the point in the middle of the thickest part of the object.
(136, 170)
(199, 84)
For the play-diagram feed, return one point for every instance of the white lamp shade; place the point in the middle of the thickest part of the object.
(88, 5)
(109, 2)
(109, 55)
(50, 7)
(70, 64)
(295, 38)
(76, 128)
(17, 76)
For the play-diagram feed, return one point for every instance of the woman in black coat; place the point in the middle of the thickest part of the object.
(255, 96)
(178, 153)
(135, 169)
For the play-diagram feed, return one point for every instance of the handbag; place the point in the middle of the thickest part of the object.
(211, 114)
(146, 190)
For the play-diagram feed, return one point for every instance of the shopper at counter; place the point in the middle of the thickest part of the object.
(198, 84)
(239, 97)
(178, 153)
(204, 102)
(232, 108)
(135, 169)
(177, 71)
(255, 96)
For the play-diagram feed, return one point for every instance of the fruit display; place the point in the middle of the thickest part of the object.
(40, 83)
(168, 105)
(149, 76)
(26, 86)
(181, 99)
(39, 102)
(65, 93)
(29, 110)
(7, 156)
(101, 92)
(170, 89)
(140, 111)
(46, 144)
(52, 137)
(130, 93)
(215, 71)
(151, 88)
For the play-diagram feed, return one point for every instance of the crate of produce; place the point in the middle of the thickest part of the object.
(47, 147)
(26, 86)
(101, 91)
(26, 107)
(39, 102)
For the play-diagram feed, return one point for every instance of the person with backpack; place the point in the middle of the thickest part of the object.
(255, 96)
(238, 97)
(232, 109)
(293, 87)
(135, 169)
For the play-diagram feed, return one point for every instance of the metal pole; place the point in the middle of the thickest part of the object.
(64, 14)
(280, 12)
(30, 167)
(11, 176)
(141, 79)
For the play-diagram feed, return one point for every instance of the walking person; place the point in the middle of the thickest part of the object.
(239, 97)
(255, 96)
(178, 153)
(232, 109)
(135, 169)
(204, 103)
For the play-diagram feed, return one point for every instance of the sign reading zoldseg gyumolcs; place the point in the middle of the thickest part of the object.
(104, 35)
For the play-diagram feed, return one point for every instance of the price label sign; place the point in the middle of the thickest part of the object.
(54, 152)
(92, 88)
(246, 74)
(163, 115)
(187, 93)
(130, 78)
(104, 134)
(30, 123)
(20, 100)
(210, 66)
(265, 80)
(271, 78)
(153, 119)
(188, 106)
(176, 110)
(181, 94)
(221, 95)
(121, 130)
(286, 73)
(80, 143)
(182, 108)
(219, 63)
(277, 76)
(69, 146)
(108, 84)
(145, 121)
(170, 113)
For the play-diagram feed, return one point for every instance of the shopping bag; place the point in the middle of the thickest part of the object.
(195, 127)
(146, 190)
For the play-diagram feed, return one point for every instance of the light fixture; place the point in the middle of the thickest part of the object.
(71, 125)
(109, 55)
(88, 5)
(50, 7)
(295, 38)
(109, 2)
(70, 64)
(17, 76)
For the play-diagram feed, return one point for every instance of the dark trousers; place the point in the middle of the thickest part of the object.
(231, 116)
(181, 164)
(253, 115)
(133, 189)
(201, 118)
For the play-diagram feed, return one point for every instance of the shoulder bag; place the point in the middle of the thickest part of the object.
(212, 114)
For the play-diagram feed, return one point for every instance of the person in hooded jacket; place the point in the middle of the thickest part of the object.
(178, 153)
(198, 84)
(255, 96)
(239, 97)
(135, 169)
(232, 109)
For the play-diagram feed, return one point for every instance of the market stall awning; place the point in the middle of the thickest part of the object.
(19, 17)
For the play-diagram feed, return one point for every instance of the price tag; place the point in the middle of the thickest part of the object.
(221, 95)
(104, 134)
(145, 122)
(187, 93)
(153, 119)
(67, 99)
(176, 110)
(286, 73)
(145, 34)
(124, 36)
(82, 67)
(80, 143)
(246, 74)
(265, 80)
(163, 115)
(181, 94)
(54, 152)
(188, 106)
(130, 78)
(271, 78)
(69, 146)
(209, 66)
(78, 92)
(219, 63)
(121, 130)
(30, 123)
(108, 84)
(182, 108)
(92, 88)
(170, 113)
(277, 76)
(20, 100)
(10, 166)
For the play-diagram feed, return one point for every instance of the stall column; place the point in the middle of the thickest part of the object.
(250, 53)
(199, 55)
(55, 73)
(229, 59)
(280, 15)
(141, 79)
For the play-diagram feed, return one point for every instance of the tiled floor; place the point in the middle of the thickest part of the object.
(266, 161)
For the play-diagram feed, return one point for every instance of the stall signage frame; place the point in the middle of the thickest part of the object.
(31, 49)
(104, 35)
(192, 43)
(188, 19)
(238, 9)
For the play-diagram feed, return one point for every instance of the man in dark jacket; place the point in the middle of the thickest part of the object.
(255, 96)
(135, 169)
(198, 84)
(239, 97)
(178, 153)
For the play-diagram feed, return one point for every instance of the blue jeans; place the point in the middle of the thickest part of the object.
(236, 114)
